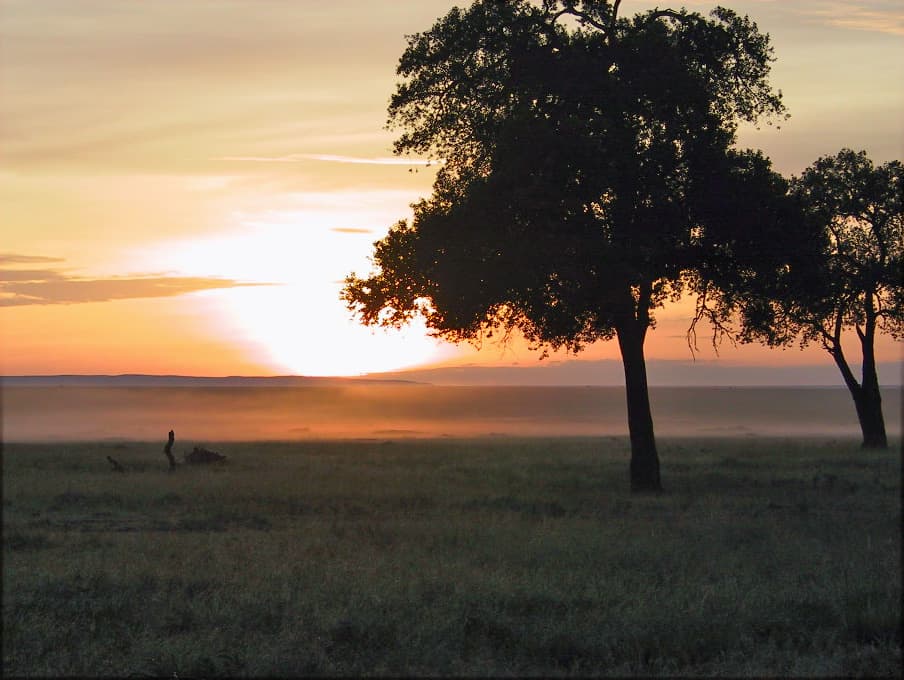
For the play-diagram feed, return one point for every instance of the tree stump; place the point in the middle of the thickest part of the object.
(168, 450)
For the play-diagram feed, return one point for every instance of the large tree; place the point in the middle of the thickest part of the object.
(579, 150)
(847, 277)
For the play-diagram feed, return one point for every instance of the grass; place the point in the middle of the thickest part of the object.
(452, 557)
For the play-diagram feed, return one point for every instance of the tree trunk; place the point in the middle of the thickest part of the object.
(866, 396)
(644, 457)
(869, 410)
(872, 424)
(869, 400)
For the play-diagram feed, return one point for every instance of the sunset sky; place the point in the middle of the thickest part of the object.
(185, 183)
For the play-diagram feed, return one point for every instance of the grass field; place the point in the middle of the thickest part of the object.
(453, 557)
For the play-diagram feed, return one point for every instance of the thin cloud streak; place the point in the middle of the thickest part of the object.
(329, 158)
(10, 275)
(351, 230)
(385, 160)
(21, 287)
(68, 291)
(879, 17)
(15, 258)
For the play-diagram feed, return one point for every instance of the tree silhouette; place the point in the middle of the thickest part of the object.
(848, 276)
(575, 198)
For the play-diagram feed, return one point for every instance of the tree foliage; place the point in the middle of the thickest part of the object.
(848, 276)
(571, 163)
(851, 277)
(580, 153)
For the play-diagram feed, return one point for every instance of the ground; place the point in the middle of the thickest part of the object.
(489, 556)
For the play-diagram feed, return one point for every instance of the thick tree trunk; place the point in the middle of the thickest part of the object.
(866, 396)
(869, 406)
(872, 424)
(644, 457)
(869, 410)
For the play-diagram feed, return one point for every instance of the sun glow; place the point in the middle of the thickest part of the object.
(317, 337)
(301, 256)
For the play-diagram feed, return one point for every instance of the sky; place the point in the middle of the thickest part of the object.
(185, 183)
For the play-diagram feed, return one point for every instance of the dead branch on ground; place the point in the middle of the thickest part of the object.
(115, 465)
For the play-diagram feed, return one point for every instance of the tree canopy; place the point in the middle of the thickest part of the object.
(582, 156)
(849, 276)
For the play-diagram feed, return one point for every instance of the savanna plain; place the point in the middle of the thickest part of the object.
(467, 556)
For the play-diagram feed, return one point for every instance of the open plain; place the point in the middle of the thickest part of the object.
(484, 556)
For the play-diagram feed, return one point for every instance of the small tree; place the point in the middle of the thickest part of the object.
(848, 276)
(576, 194)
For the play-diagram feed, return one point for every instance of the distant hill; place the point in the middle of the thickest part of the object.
(576, 372)
(660, 372)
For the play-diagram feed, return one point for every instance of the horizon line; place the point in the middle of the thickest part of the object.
(393, 377)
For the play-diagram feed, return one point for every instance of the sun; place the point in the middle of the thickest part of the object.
(292, 318)
(305, 335)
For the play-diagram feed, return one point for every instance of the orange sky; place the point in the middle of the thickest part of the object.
(185, 184)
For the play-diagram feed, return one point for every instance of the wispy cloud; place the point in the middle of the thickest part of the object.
(290, 158)
(11, 275)
(14, 258)
(382, 160)
(881, 16)
(329, 158)
(351, 230)
(19, 287)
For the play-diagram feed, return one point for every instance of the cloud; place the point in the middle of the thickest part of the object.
(383, 160)
(290, 158)
(351, 230)
(14, 258)
(878, 16)
(10, 275)
(330, 158)
(20, 287)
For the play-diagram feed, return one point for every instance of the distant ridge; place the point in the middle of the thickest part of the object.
(661, 373)
(576, 372)
(142, 380)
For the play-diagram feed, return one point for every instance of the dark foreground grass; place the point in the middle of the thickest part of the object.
(485, 557)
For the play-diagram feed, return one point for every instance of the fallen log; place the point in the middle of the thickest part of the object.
(200, 455)
(115, 465)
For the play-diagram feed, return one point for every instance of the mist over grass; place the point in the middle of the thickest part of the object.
(203, 414)
(764, 557)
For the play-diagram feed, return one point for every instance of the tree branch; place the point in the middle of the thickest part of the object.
(837, 353)
(670, 13)
(839, 324)
(644, 298)
(720, 330)
(585, 18)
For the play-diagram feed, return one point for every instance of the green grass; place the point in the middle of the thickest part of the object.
(453, 557)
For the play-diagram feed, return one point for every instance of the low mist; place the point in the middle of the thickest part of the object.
(206, 414)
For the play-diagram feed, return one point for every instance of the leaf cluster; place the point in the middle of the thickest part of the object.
(849, 273)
